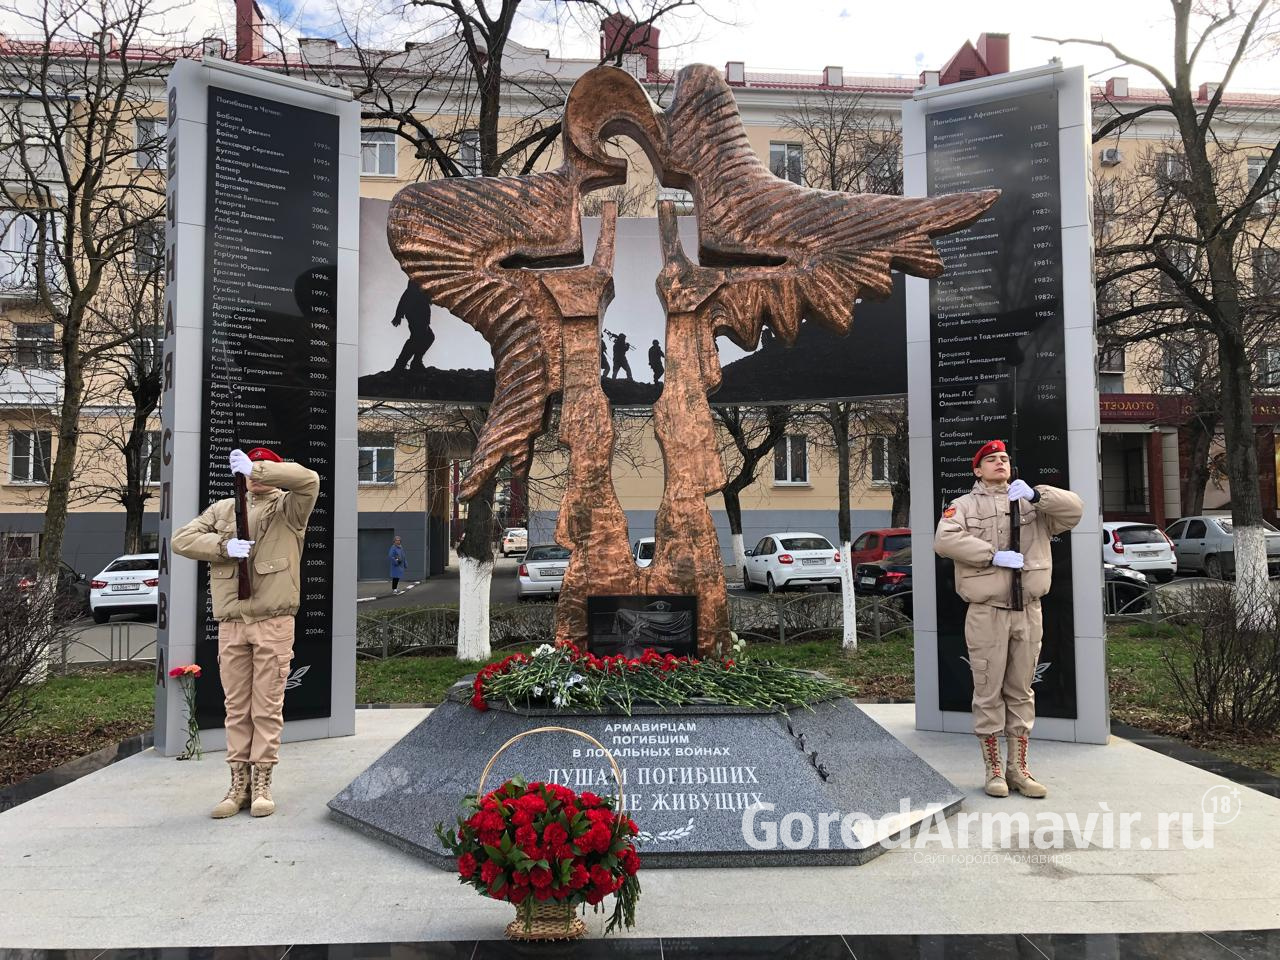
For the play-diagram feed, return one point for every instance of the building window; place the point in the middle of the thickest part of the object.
(1177, 367)
(378, 153)
(149, 543)
(29, 460)
(1271, 198)
(17, 250)
(469, 152)
(34, 346)
(786, 160)
(791, 460)
(150, 143)
(377, 461)
(148, 248)
(1170, 170)
(882, 471)
(18, 546)
(151, 458)
(1266, 271)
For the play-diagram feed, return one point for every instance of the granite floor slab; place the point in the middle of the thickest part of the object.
(127, 857)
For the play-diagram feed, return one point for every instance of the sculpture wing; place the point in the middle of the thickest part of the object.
(453, 237)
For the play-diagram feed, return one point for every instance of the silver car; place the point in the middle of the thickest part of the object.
(541, 573)
(1207, 544)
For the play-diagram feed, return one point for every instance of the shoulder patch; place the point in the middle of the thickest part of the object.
(948, 513)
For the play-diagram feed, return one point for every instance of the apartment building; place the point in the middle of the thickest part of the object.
(410, 463)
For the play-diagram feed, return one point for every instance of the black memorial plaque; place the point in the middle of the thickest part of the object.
(270, 338)
(629, 625)
(997, 345)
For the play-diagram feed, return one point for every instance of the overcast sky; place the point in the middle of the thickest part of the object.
(863, 36)
(878, 37)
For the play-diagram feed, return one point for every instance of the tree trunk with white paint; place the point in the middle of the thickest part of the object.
(850, 641)
(1255, 604)
(474, 578)
(739, 553)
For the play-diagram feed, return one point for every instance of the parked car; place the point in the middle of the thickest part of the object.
(514, 540)
(642, 551)
(1139, 546)
(783, 560)
(541, 572)
(890, 577)
(1124, 590)
(874, 545)
(128, 584)
(73, 587)
(1207, 544)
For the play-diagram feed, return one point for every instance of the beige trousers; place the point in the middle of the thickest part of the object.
(253, 659)
(1004, 646)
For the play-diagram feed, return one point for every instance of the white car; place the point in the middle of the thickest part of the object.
(642, 552)
(128, 584)
(1139, 546)
(783, 560)
(514, 540)
(541, 573)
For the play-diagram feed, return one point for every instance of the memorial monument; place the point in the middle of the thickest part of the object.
(506, 256)
(494, 251)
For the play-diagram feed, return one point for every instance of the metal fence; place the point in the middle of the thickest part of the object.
(765, 618)
(780, 618)
(112, 643)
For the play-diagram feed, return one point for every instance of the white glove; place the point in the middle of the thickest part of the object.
(1011, 559)
(239, 549)
(1020, 490)
(240, 462)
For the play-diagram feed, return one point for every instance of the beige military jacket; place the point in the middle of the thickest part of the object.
(975, 526)
(278, 527)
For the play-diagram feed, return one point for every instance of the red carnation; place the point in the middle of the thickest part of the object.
(630, 861)
(588, 799)
(554, 835)
(540, 877)
(518, 895)
(520, 878)
(542, 893)
(526, 836)
(467, 865)
(579, 878)
(489, 871)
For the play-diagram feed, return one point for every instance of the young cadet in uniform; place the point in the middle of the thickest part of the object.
(255, 636)
(1004, 644)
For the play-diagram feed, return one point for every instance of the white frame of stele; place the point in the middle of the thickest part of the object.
(182, 416)
(1092, 722)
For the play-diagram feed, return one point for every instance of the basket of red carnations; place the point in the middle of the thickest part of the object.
(548, 851)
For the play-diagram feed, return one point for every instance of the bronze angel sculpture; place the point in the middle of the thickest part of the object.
(505, 255)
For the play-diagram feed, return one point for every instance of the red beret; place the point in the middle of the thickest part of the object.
(988, 448)
(262, 453)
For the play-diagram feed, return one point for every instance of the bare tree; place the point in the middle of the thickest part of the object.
(31, 622)
(74, 99)
(751, 435)
(1218, 221)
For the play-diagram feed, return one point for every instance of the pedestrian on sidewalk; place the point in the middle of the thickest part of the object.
(255, 636)
(1002, 629)
(396, 558)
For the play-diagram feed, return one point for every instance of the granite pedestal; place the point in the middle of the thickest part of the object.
(708, 786)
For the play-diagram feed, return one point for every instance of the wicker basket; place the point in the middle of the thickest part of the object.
(547, 919)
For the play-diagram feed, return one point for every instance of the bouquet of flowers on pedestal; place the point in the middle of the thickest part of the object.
(547, 850)
(187, 677)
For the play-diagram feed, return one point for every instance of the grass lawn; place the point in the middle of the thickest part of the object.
(80, 713)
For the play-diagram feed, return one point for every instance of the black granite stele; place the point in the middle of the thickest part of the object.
(688, 779)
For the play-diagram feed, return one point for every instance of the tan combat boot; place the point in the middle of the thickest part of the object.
(263, 805)
(1019, 776)
(237, 797)
(996, 787)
